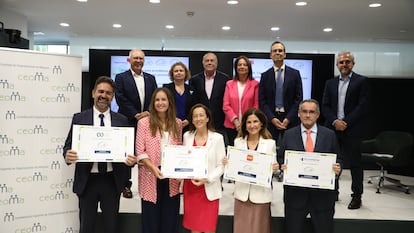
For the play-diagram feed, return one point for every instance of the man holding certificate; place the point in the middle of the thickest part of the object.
(302, 197)
(98, 182)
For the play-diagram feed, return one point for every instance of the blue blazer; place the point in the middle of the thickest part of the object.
(82, 170)
(356, 104)
(215, 104)
(292, 94)
(127, 97)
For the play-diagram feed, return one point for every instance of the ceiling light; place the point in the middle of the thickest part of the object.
(169, 26)
(154, 1)
(225, 28)
(64, 24)
(232, 2)
(327, 29)
(301, 3)
(38, 33)
(275, 28)
(82, 0)
(373, 5)
(116, 25)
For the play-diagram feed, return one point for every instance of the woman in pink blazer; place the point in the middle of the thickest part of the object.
(240, 94)
(160, 199)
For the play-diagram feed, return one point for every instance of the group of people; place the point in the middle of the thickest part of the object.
(214, 111)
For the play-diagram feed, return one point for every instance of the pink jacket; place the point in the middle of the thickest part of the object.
(250, 99)
(147, 146)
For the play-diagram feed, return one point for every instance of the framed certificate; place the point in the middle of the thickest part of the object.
(184, 162)
(102, 144)
(309, 169)
(249, 166)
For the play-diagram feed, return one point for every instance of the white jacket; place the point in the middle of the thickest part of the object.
(216, 152)
(256, 194)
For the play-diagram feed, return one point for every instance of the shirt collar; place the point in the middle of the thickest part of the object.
(96, 112)
(210, 77)
(314, 128)
(135, 74)
(282, 67)
(346, 77)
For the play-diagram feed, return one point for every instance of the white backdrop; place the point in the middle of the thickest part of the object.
(39, 93)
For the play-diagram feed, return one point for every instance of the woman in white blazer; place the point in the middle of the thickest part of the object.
(252, 202)
(201, 196)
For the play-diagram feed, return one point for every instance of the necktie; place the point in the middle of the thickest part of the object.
(279, 89)
(102, 165)
(309, 142)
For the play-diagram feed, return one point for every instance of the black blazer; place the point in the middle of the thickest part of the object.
(191, 96)
(215, 104)
(356, 104)
(127, 97)
(292, 94)
(83, 169)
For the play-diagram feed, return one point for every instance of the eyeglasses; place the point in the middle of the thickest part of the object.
(310, 112)
(345, 62)
(277, 50)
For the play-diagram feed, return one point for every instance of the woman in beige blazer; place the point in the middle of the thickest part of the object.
(252, 202)
(201, 196)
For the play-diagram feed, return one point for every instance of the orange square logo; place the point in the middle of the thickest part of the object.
(249, 158)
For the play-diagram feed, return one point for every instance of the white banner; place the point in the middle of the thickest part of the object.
(39, 93)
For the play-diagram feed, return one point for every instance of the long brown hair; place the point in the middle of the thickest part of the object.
(154, 118)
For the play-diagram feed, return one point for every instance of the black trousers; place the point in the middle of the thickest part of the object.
(99, 189)
(163, 216)
(351, 154)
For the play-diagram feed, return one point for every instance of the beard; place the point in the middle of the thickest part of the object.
(102, 105)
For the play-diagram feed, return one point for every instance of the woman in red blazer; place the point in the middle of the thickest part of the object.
(240, 94)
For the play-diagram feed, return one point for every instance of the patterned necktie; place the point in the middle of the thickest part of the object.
(279, 89)
(102, 165)
(309, 142)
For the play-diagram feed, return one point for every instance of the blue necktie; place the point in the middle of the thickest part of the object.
(279, 89)
(102, 165)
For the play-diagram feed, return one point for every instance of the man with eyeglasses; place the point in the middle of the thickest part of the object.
(344, 106)
(301, 201)
(280, 91)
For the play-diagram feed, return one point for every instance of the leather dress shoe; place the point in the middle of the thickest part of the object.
(355, 203)
(127, 193)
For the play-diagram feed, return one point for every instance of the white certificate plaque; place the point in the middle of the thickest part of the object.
(309, 169)
(249, 166)
(102, 144)
(184, 162)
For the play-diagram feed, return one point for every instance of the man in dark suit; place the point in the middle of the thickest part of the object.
(344, 106)
(209, 86)
(98, 182)
(300, 201)
(133, 93)
(280, 104)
